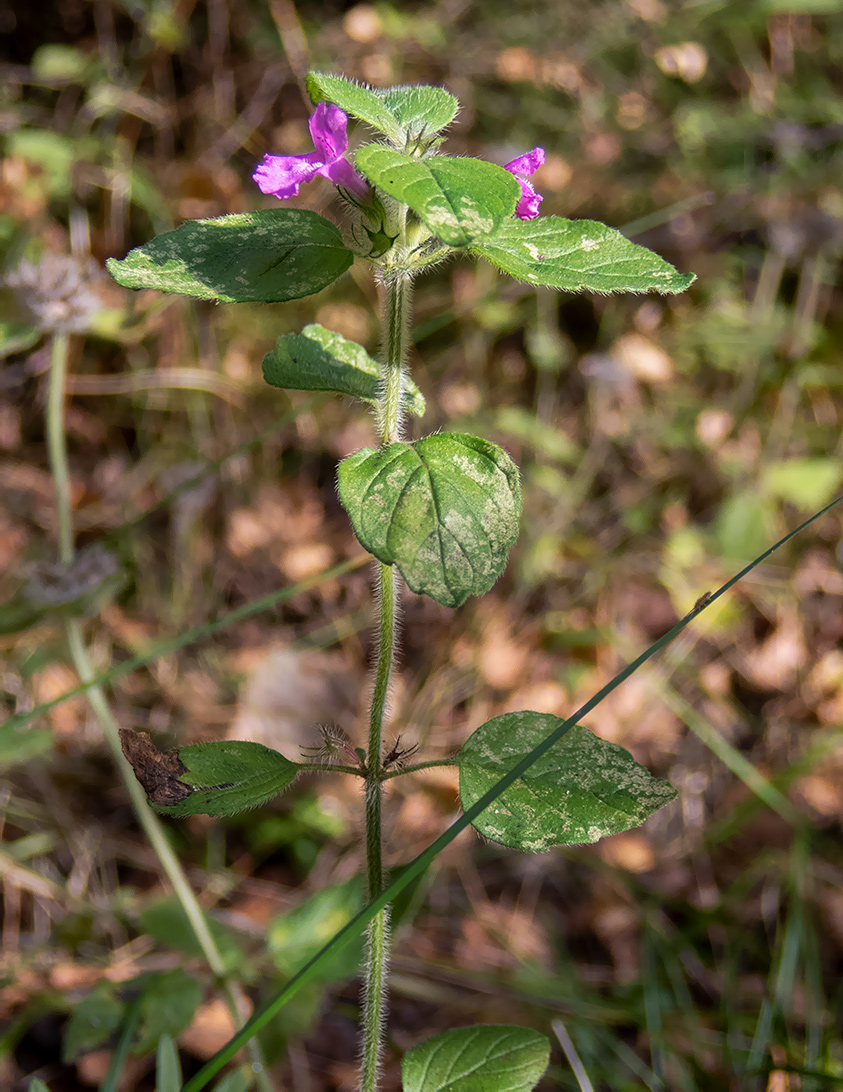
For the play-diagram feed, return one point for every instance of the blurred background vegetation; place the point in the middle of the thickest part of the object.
(663, 443)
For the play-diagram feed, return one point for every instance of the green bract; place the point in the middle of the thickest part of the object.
(582, 790)
(460, 200)
(578, 254)
(445, 510)
(321, 360)
(266, 257)
(403, 114)
(478, 1059)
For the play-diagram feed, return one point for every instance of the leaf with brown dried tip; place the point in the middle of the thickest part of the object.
(157, 771)
(220, 778)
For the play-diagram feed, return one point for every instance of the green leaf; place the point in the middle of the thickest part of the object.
(294, 938)
(54, 152)
(578, 254)
(445, 510)
(460, 200)
(92, 1022)
(797, 7)
(478, 1059)
(238, 1081)
(18, 746)
(168, 1066)
(16, 337)
(37, 1085)
(582, 790)
(321, 360)
(743, 525)
(231, 776)
(356, 99)
(165, 921)
(268, 257)
(403, 114)
(218, 779)
(420, 110)
(60, 62)
(168, 1005)
(807, 483)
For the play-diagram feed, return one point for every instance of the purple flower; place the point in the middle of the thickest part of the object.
(282, 175)
(525, 165)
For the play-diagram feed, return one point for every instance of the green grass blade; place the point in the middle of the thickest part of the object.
(121, 1054)
(577, 1068)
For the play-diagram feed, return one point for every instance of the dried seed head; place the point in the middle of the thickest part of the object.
(56, 585)
(335, 744)
(60, 291)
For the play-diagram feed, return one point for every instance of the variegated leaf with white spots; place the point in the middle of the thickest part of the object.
(444, 510)
(577, 255)
(266, 257)
(322, 360)
(583, 789)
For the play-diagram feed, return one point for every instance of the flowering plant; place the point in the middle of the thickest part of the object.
(439, 513)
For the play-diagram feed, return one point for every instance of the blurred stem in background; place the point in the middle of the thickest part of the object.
(150, 823)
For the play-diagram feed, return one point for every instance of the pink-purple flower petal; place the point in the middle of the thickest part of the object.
(341, 173)
(283, 175)
(528, 205)
(526, 164)
(329, 129)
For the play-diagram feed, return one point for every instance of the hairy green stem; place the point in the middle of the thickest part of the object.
(398, 287)
(398, 298)
(149, 821)
(417, 766)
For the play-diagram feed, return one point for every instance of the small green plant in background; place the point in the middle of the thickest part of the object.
(440, 513)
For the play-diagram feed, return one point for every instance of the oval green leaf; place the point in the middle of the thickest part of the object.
(445, 510)
(164, 919)
(92, 1022)
(295, 937)
(506, 1059)
(577, 255)
(460, 200)
(220, 778)
(583, 789)
(230, 776)
(318, 359)
(808, 483)
(356, 99)
(265, 257)
(420, 110)
(403, 114)
(167, 1006)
